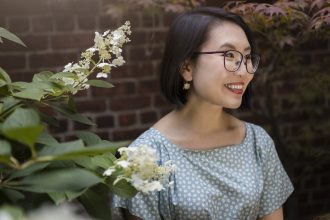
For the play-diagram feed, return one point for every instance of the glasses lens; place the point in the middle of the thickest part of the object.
(252, 62)
(233, 60)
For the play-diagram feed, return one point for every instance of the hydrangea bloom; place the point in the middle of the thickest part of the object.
(102, 57)
(140, 168)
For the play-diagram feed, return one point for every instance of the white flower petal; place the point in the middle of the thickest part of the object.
(102, 75)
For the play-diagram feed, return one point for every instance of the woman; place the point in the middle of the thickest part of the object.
(225, 168)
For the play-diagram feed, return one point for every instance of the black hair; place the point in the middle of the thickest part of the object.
(186, 35)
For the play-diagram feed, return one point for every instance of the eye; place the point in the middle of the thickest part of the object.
(229, 54)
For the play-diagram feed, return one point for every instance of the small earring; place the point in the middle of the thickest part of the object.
(186, 85)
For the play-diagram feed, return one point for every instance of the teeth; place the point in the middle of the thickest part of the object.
(234, 86)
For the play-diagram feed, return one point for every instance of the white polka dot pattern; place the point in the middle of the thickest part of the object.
(243, 181)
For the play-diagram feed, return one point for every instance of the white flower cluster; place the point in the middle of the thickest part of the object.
(138, 166)
(105, 54)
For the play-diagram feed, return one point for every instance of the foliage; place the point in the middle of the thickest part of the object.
(283, 30)
(117, 8)
(32, 162)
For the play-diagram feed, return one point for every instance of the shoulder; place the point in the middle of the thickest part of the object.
(148, 137)
(263, 142)
(260, 134)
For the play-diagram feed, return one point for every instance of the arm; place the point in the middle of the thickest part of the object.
(276, 215)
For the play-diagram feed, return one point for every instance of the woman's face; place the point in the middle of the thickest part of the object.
(211, 82)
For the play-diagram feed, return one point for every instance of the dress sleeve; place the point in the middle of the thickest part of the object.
(277, 185)
(144, 206)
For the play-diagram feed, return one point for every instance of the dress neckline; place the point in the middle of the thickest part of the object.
(180, 148)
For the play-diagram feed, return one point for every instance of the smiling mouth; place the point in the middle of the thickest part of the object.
(236, 88)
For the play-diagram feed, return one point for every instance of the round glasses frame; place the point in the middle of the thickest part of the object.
(255, 59)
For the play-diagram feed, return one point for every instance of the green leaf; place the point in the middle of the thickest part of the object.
(42, 76)
(62, 148)
(73, 179)
(13, 195)
(5, 149)
(88, 137)
(23, 126)
(21, 118)
(72, 115)
(70, 153)
(63, 74)
(15, 213)
(103, 161)
(4, 76)
(5, 152)
(2, 82)
(10, 36)
(46, 139)
(31, 93)
(9, 102)
(99, 83)
(95, 202)
(60, 197)
(26, 135)
(121, 188)
(29, 170)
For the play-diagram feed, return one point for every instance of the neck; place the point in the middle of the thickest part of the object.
(202, 118)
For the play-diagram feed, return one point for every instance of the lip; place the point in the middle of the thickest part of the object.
(236, 91)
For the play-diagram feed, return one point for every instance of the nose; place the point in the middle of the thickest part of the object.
(241, 69)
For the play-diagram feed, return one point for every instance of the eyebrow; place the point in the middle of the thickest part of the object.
(230, 46)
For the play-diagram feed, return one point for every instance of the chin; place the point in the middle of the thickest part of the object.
(233, 105)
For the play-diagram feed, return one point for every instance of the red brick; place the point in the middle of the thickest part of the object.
(148, 86)
(127, 119)
(105, 121)
(120, 72)
(16, 7)
(139, 37)
(121, 88)
(19, 24)
(32, 42)
(11, 62)
(3, 22)
(91, 106)
(160, 101)
(140, 69)
(139, 54)
(87, 22)
(52, 59)
(104, 135)
(25, 76)
(133, 17)
(81, 126)
(127, 103)
(42, 24)
(69, 41)
(64, 23)
(76, 7)
(152, 19)
(148, 117)
(131, 134)
(107, 22)
(61, 127)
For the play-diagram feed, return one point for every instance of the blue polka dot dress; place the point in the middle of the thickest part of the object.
(243, 181)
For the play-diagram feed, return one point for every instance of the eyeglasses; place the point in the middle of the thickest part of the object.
(232, 60)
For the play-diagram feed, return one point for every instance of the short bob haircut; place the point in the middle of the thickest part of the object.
(186, 35)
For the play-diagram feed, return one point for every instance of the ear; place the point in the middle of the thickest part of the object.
(186, 71)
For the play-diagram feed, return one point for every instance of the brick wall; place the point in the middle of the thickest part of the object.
(56, 31)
